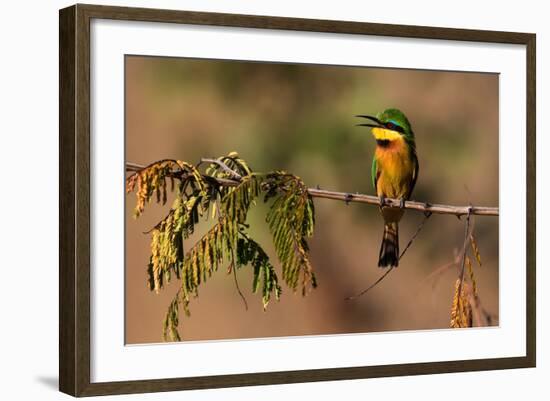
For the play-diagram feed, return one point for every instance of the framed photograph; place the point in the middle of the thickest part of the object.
(249, 200)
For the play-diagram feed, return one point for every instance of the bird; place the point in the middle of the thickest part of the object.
(394, 173)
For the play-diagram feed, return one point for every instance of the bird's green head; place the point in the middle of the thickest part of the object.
(391, 124)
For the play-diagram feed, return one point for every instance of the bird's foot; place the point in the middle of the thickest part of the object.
(401, 203)
(382, 200)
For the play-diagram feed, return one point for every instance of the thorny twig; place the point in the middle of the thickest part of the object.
(424, 207)
(466, 237)
(234, 268)
(383, 276)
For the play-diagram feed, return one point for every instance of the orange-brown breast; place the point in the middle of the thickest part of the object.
(396, 169)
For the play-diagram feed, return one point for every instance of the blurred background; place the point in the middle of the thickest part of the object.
(300, 118)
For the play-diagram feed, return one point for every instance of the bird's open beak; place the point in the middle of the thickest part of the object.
(376, 120)
(379, 131)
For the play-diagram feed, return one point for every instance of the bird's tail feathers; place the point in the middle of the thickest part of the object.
(389, 250)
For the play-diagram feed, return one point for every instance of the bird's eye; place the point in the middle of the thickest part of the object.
(390, 126)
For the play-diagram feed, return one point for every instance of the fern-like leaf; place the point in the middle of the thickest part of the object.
(291, 220)
(250, 252)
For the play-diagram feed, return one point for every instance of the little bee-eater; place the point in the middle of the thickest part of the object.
(394, 173)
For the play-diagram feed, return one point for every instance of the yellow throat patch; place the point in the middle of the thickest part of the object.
(383, 134)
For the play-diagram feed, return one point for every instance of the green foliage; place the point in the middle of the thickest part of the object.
(171, 319)
(291, 219)
(250, 252)
(225, 191)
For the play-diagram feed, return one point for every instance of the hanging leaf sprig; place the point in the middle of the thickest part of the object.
(226, 191)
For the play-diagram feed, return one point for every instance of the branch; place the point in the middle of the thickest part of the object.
(419, 206)
(360, 198)
(136, 168)
(234, 268)
(427, 215)
(224, 167)
(466, 236)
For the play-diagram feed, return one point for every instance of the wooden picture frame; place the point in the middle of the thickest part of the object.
(74, 200)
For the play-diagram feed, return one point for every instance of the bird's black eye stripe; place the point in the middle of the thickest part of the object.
(394, 127)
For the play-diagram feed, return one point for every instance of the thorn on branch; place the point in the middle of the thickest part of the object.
(348, 198)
